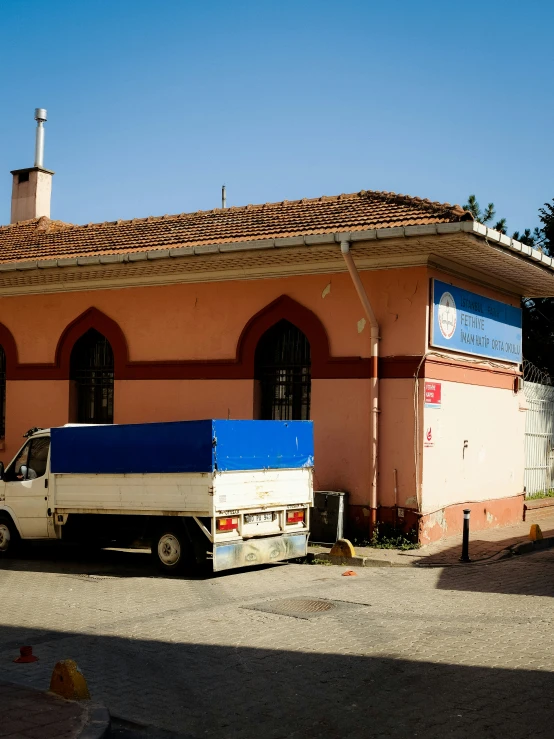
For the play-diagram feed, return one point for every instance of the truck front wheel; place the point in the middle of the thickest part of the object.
(170, 549)
(8, 536)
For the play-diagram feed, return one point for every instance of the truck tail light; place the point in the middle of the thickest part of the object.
(295, 516)
(227, 524)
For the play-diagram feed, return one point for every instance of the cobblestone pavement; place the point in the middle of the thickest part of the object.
(407, 652)
(483, 545)
(28, 714)
(487, 543)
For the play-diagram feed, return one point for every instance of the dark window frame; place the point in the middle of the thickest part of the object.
(2, 392)
(283, 369)
(92, 373)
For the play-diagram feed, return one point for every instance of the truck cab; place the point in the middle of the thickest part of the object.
(24, 491)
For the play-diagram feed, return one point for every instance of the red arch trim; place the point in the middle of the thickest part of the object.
(10, 350)
(284, 308)
(93, 318)
(324, 366)
(59, 369)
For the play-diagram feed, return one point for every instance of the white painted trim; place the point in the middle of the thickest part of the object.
(501, 242)
(448, 267)
(309, 240)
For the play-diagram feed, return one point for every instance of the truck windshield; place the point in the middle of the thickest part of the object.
(33, 457)
(20, 460)
(38, 457)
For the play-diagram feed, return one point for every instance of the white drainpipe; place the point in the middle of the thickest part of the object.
(374, 387)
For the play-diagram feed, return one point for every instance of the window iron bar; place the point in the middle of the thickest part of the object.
(283, 368)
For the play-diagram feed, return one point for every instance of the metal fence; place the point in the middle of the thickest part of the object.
(539, 431)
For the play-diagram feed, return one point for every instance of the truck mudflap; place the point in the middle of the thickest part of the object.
(228, 555)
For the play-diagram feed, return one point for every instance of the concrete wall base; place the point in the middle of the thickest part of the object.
(488, 514)
(447, 521)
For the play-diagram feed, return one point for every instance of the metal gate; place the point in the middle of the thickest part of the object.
(539, 432)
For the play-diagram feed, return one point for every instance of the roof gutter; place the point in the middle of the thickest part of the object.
(471, 227)
(374, 380)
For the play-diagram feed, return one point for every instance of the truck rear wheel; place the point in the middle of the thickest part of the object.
(170, 549)
(9, 538)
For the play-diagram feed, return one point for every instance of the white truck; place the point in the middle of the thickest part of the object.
(235, 493)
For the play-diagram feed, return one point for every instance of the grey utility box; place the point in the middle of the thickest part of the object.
(328, 517)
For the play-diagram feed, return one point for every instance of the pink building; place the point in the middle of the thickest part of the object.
(335, 309)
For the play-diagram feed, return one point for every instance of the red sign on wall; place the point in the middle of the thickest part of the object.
(433, 394)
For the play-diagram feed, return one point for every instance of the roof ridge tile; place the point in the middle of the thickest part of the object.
(362, 210)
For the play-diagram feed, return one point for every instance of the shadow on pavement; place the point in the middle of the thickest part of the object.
(480, 550)
(121, 729)
(501, 577)
(68, 559)
(72, 559)
(233, 692)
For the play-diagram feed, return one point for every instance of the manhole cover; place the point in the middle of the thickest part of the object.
(296, 607)
(305, 606)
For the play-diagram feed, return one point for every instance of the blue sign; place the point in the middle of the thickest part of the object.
(470, 323)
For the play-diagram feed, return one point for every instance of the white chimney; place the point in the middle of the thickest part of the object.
(32, 187)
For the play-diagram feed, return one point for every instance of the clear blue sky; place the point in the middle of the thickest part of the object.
(153, 105)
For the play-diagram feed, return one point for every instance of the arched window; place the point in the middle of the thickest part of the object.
(92, 373)
(2, 392)
(283, 369)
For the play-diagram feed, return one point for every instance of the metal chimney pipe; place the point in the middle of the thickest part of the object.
(223, 197)
(40, 118)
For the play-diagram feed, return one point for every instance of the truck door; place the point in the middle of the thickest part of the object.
(27, 488)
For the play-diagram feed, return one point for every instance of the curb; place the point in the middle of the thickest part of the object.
(502, 554)
(353, 561)
(370, 562)
(98, 722)
(526, 547)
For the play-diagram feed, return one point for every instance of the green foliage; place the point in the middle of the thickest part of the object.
(486, 215)
(546, 217)
(387, 536)
(475, 209)
(538, 313)
(540, 238)
(538, 333)
(540, 496)
(501, 226)
(324, 562)
(528, 238)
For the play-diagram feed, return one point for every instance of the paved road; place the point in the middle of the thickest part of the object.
(30, 714)
(393, 653)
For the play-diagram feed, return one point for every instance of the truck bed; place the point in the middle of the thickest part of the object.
(202, 494)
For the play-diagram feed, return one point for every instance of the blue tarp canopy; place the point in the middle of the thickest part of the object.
(182, 446)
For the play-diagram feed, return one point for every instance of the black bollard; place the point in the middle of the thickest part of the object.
(465, 541)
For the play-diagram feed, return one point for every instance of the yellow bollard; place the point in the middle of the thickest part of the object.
(535, 534)
(343, 548)
(68, 681)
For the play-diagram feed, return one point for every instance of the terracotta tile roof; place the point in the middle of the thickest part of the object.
(45, 239)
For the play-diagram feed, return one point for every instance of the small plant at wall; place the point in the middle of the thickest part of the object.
(386, 536)
(542, 494)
